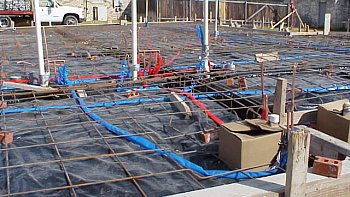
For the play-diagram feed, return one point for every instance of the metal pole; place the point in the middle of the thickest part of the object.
(158, 11)
(136, 66)
(190, 9)
(205, 49)
(216, 32)
(146, 20)
(40, 44)
(245, 12)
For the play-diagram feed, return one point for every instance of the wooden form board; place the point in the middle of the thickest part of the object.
(279, 104)
(23, 86)
(264, 57)
(180, 104)
(273, 186)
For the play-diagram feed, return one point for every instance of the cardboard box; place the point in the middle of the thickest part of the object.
(243, 145)
(331, 121)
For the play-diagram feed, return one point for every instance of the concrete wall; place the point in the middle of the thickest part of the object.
(310, 10)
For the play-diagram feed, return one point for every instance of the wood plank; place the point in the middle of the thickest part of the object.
(264, 57)
(279, 104)
(81, 93)
(23, 86)
(328, 141)
(273, 186)
(300, 20)
(297, 165)
(284, 18)
(180, 104)
(257, 12)
(330, 187)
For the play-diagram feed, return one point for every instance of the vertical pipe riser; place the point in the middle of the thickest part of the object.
(136, 66)
(39, 37)
(206, 36)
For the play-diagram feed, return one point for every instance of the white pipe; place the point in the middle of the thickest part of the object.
(40, 43)
(136, 66)
(216, 32)
(206, 36)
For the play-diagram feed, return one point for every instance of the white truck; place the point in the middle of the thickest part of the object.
(22, 11)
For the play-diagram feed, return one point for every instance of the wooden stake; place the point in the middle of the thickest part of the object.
(298, 155)
(279, 104)
(293, 94)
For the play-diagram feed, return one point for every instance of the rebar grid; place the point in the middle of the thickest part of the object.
(110, 48)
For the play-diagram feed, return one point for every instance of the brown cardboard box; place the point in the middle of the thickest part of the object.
(243, 145)
(331, 121)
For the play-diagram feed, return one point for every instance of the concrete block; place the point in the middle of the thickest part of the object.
(6, 137)
(327, 167)
(132, 94)
(210, 136)
(3, 104)
(242, 83)
(230, 82)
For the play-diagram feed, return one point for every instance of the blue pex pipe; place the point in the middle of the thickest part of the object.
(4, 88)
(98, 105)
(118, 89)
(263, 39)
(146, 144)
(305, 90)
(62, 78)
(165, 99)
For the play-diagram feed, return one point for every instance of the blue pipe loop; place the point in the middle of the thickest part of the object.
(63, 79)
(254, 92)
(146, 144)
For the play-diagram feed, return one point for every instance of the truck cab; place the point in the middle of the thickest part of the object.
(52, 11)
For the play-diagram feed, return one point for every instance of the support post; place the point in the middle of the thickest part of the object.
(158, 11)
(279, 104)
(298, 155)
(42, 73)
(245, 12)
(205, 46)
(190, 7)
(136, 66)
(288, 20)
(216, 32)
(327, 24)
(146, 18)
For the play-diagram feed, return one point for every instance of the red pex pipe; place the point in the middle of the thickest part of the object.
(18, 80)
(212, 116)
